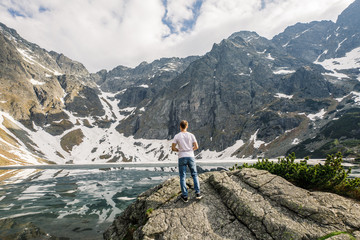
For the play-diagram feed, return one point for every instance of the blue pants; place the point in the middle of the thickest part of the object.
(183, 163)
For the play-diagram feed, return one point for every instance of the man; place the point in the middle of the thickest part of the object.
(187, 144)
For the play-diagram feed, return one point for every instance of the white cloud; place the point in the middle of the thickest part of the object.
(104, 34)
(178, 12)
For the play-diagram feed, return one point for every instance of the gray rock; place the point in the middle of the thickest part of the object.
(12, 230)
(245, 204)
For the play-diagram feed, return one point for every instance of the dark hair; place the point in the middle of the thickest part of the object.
(183, 124)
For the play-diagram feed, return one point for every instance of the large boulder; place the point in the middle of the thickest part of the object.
(245, 204)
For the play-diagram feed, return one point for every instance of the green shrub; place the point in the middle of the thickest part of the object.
(330, 176)
(149, 211)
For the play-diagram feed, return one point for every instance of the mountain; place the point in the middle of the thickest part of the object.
(310, 40)
(335, 46)
(137, 86)
(247, 97)
(36, 85)
(53, 110)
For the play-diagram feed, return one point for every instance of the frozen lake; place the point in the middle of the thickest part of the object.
(81, 201)
(77, 201)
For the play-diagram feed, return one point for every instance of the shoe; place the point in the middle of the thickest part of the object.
(185, 199)
(198, 196)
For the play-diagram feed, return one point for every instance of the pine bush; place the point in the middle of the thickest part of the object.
(330, 176)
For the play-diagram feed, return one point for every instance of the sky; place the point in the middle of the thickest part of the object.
(103, 34)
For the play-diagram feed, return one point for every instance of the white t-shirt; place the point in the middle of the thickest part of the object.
(185, 141)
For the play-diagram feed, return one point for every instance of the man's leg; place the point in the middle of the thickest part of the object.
(192, 166)
(182, 174)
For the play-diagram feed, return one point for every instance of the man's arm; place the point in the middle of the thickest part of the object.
(173, 147)
(195, 146)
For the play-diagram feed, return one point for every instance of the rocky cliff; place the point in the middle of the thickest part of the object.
(245, 204)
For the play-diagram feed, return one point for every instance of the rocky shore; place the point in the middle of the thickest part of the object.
(246, 204)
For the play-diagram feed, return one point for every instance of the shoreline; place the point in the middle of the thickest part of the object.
(207, 163)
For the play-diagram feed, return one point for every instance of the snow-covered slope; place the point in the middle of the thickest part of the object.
(98, 145)
(339, 66)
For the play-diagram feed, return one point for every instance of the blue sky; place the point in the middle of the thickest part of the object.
(105, 34)
(187, 24)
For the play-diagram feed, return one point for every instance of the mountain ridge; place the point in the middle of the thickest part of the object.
(247, 97)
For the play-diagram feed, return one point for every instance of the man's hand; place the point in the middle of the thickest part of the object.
(195, 146)
(173, 147)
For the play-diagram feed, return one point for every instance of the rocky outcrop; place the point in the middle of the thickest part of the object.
(71, 139)
(12, 230)
(245, 204)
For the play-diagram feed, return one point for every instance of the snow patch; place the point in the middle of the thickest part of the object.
(319, 115)
(340, 99)
(270, 57)
(128, 109)
(295, 141)
(356, 97)
(30, 59)
(121, 92)
(225, 154)
(350, 61)
(282, 71)
(339, 45)
(184, 85)
(286, 44)
(35, 82)
(27, 57)
(324, 52)
(281, 95)
(169, 67)
(257, 143)
(125, 198)
(243, 74)
(299, 34)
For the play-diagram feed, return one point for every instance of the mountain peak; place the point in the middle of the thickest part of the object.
(350, 17)
(246, 35)
(11, 31)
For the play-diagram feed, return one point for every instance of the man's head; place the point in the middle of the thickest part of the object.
(183, 124)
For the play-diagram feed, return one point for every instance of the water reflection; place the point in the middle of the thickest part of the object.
(79, 204)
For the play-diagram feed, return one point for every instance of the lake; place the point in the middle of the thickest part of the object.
(81, 201)
(77, 201)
